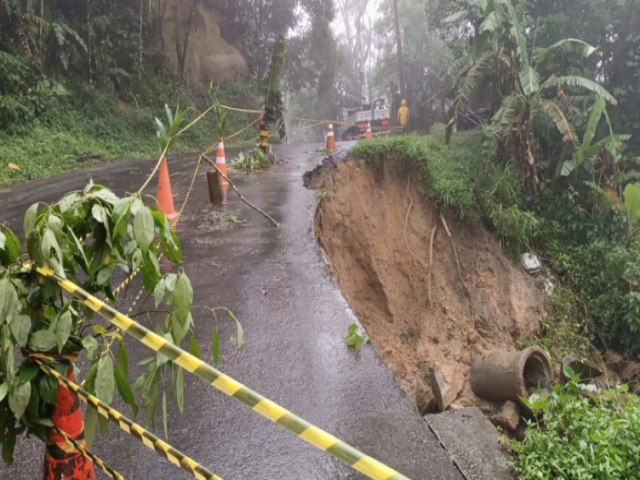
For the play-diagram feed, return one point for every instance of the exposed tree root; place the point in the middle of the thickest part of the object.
(433, 235)
(455, 254)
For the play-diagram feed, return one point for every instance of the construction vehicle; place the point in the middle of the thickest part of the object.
(377, 113)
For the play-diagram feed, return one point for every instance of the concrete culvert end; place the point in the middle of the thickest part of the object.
(498, 375)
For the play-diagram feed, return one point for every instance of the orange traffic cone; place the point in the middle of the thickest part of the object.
(62, 460)
(220, 196)
(221, 162)
(165, 195)
(331, 140)
(368, 135)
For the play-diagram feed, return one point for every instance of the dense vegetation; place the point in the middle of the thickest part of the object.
(81, 82)
(551, 169)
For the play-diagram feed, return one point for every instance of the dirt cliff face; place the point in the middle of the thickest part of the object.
(376, 228)
(208, 56)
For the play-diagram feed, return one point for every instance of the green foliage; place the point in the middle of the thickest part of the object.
(168, 134)
(585, 433)
(254, 160)
(90, 126)
(563, 331)
(89, 237)
(457, 178)
(355, 337)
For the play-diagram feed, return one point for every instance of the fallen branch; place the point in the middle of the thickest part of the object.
(433, 235)
(455, 254)
(235, 189)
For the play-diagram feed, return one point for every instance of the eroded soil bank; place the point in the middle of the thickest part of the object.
(376, 227)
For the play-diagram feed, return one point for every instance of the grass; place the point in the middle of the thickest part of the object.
(91, 125)
(459, 179)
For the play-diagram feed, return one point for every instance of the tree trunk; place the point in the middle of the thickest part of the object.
(399, 48)
(140, 39)
(183, 47)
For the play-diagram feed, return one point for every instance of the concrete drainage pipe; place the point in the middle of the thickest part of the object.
(499, 375)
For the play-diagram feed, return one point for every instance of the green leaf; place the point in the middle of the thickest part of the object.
(194, 346)
(143, 228)
(182, 295)
(215, 345)
(170, 281)
(123, 359)
(43, 341)
(179, 389)
(560, 121)
(91, 345)
(30, 219)
(19, 399)
(164, 414)
(20, 328)
(150, 271)
(105, 382)
(355, 338)
(632, 202)
(568, 45)
(124, 389)
(10, 250)
(574, 80)
(529, 80)
(8, 445)
(4, 389)
(63, 329)
(90, 424)
(104, 275)
(51, 252)
(158, 292)
(169, 242)
(79, 250)
(48, 388)
(9, 302)
(27, 372)
(106, 195)
(594, 118)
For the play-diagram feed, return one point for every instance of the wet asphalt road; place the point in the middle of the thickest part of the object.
(295, 320)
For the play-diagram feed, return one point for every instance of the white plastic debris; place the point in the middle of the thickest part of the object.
(531, 263)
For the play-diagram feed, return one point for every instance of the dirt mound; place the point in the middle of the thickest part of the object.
(376, 227)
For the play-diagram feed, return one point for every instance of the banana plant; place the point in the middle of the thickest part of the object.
(500, 56)
(589, 150)
(168, 134)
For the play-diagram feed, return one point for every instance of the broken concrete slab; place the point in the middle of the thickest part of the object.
(471, 441)
(508, 417)
(443, 392)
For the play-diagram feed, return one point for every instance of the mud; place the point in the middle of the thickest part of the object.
(375, 227)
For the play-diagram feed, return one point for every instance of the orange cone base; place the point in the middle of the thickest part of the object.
(59, 465)
(223, 168)
(61, 460)
(165, 195)
(331, 144)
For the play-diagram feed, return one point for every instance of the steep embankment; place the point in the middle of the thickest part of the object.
(376, 227)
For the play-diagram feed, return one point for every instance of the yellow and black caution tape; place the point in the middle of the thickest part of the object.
(149, 439)
(110, 472)
(243, 110)
(317, 437)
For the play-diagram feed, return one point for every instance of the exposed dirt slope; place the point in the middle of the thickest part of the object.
(381, 264)
(208, 55)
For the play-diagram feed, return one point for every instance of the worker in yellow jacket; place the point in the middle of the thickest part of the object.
(403, 115)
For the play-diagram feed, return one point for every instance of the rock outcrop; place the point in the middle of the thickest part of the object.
(207, 56)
